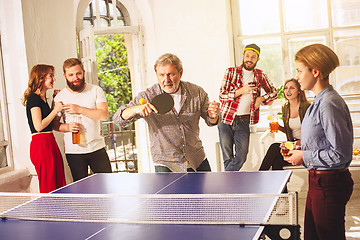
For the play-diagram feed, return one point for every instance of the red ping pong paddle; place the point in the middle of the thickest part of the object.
(163, 102)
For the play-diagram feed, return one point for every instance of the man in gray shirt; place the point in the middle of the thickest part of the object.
(174, 136)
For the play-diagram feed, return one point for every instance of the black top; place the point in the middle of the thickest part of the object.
(35, 100)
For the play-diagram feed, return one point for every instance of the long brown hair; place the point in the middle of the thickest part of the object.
(36, 79)
(302, 95)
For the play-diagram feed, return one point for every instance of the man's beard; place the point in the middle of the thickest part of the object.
(249, 69)
(76, 88)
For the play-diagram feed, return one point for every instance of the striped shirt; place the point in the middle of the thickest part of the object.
(174, 136)
(232, 82)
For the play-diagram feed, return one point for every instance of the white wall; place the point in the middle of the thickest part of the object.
(50, 37)
(197, 31)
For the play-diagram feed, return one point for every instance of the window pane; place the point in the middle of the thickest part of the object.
(119, 22)
(259, 17)
(3, 158)
(111, 10)
(86, 22)
(93, 4)
(348, 73)
(345, 13)
(102, 7)
(2, 138)
(3, 161)
(87, 12)
(295, 44)
(305, 15)
(348, 51)
(113, 70)
(104, 22)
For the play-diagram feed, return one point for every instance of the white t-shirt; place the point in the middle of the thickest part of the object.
(177, 98)
(295, 125)
(245, 99)
(90, 138)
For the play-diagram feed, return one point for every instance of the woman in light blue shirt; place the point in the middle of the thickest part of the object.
(326, 145)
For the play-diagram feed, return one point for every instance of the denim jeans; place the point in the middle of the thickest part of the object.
(238, 134)
(204, 167)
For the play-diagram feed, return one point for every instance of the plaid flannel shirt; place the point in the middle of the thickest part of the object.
(232, 82)
(174, 137)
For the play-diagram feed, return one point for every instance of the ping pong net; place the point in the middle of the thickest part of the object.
(260, 209)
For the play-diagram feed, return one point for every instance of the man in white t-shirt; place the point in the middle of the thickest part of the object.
(240, 106)
(84, 107)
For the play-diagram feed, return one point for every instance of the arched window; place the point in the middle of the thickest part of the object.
(110, 15)
(106, 44)
(105, 49)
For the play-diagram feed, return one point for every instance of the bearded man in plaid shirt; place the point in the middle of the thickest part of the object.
(240, 106)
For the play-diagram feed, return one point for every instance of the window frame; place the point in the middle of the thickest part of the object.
(96, 16)
(5, 119)
(285, 38)
(134, 38)
(284, 35)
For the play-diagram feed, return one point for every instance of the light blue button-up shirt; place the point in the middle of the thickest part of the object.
(327, 132)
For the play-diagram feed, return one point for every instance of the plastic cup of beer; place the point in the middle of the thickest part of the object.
(76, 135)
(286, 147)
(274, 125)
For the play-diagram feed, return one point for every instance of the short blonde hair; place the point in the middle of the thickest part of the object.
(319, 57)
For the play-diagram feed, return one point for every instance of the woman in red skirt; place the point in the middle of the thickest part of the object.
(44, 151)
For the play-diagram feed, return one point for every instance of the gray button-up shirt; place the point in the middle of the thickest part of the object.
(174, 136)
(327, 132)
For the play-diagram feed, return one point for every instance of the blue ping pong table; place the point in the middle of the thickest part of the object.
(264, 182)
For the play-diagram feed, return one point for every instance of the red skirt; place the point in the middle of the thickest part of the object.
(48, 162)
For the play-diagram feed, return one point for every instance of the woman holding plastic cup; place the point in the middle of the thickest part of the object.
(293, 112)
(44, 151)
(326, 145)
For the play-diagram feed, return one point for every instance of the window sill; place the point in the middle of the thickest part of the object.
(15, 181)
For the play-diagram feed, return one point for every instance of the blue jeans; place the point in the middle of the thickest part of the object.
(238, 134)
